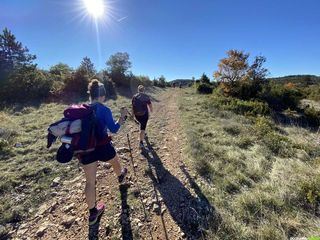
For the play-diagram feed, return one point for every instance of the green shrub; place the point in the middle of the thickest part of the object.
(204, 168)
(275, 142)
(264, 125)
(232, 129)
(312, 115)
(4, 232)
(56, 90)
(254, 204)
(110, 87)
(280, 96)
(253, 108)
(16, 215)
(231, 186)
(244, 142)
(246, 89)
(6, 136)
(4, 144)
(296, 183)
(269, 231)
(278, 144)
(204, 88)
(310, 191)
(249, 107)
(77, 84)
(134, 81)
(25, 84)
(313, 92)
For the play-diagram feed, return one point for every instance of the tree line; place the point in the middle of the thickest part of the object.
(22, 80)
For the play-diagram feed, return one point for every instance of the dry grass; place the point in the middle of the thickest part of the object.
(262, 177)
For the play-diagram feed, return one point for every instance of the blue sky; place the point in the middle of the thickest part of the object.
(174, 38)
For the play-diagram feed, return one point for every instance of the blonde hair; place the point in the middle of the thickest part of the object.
(140, 88)
(96, 89)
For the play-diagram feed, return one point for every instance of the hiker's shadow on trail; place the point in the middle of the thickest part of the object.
(125, 213)
(193, 214)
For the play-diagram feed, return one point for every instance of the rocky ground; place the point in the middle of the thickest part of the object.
(160, 199)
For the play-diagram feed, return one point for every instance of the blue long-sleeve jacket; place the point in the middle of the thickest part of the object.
(104, 119)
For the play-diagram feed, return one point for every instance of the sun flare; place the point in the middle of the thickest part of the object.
(94, 7)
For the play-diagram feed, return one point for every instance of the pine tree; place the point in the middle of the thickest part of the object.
(88, 67)
(12, 54)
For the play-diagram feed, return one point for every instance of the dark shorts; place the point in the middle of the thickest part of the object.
(103, 153)
(143, 121)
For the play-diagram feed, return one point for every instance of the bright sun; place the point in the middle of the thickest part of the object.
(94, 7)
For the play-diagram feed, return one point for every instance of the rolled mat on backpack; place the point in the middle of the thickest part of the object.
(63, 127)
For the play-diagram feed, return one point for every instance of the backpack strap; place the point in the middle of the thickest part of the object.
(68, 128)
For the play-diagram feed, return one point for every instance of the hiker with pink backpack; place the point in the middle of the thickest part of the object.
(84, 133)
(106, 152)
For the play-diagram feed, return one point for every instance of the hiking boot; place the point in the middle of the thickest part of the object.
(94, 217)
(122, 175)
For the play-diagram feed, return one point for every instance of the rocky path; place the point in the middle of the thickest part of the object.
(160, 199)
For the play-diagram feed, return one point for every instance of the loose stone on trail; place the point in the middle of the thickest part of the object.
(123, 150)
(56, 182)
(67, 221)
(40, 232)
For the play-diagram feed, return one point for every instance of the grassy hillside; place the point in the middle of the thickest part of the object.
(261, 177)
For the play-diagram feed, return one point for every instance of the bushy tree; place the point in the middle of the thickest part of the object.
(233, 68)
(68, 83)
(118, 66)
(61, 69)
(59, 75)
(238, 78)
(256, 71)
(77, 84)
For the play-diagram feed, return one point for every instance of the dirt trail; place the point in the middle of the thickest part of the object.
(159, 201)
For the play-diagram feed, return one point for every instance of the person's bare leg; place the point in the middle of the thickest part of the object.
(116, 165)
(142, 135)
(90, 171)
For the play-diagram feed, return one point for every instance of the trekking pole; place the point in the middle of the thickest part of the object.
(135, 175)
(132, 117)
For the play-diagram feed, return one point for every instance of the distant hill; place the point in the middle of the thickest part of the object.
(300, 80)
(182, 81)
